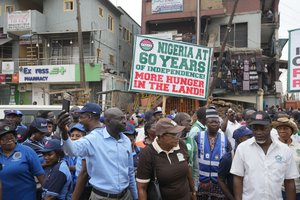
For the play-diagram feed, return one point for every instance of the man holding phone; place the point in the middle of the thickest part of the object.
(106, 147)
(230, 125)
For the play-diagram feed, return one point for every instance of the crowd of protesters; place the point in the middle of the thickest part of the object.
(95, 155)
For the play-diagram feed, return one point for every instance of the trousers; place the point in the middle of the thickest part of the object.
(127, 196)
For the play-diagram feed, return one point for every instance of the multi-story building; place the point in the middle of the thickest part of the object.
(251, 58)
(42, 37)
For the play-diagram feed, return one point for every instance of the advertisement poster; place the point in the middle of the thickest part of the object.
(163, 6)
(294, 61)
(170, 68)
(19, 20)
(8, 67)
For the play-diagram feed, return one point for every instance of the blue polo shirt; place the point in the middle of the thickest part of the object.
(18, 173)
(58, 181)
(109, 161)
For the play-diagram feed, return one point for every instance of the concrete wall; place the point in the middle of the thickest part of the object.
(57, 19)
(38, 21)
(189, 11)
(126, 48)
(3, 3)
(254, 30)
(39, 92)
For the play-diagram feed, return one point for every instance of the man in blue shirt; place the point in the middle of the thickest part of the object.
(107, 152)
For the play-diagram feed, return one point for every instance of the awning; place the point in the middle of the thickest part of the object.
(246, 99)
(5, 40)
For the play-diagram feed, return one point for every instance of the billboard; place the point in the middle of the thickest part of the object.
(170, 68)
(294, 61)
(163, 6)
(47, 73)
(8, 67)
(19, 20)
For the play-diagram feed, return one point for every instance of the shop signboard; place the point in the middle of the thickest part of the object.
(170, 68)
(8, 67)
(2, 78)
(163, 6)
(9, 78)
(47, 74)
(19, 20)
(294, 61)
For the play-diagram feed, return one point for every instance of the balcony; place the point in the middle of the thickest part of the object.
(24, 22)
(61, 60)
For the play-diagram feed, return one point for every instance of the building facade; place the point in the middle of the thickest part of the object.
(42, 37)
(252, 52)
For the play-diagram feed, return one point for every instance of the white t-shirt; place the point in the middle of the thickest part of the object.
(140, 134)
(263, 173)
(295, 147)
(231, 127)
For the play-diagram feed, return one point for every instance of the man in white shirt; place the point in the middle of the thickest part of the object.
(230, 125)
(261, 165)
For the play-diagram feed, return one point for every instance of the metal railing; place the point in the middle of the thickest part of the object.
(61, 60)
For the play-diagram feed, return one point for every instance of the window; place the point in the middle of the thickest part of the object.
(127, 35)
(9, 8)
(68, 5)
(237, 37)
(110, 23)
(111, 59)
(99, 53)
(130, 38)
(101, 12)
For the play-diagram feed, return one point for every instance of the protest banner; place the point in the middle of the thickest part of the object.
(170, 68)
(294, 61)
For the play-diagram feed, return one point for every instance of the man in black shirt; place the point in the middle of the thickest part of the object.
(225, 179)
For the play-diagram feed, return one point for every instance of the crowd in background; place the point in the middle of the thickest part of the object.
(90, 154)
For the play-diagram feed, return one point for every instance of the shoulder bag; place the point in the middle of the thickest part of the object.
(153, 191)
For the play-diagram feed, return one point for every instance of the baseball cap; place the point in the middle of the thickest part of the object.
(129, 129)
(158, 110)
(260, 118)
(79, 127)
(240, 132)
(91, 108)
(166, 125)
(140, 115)
(40, 124)
(51, 145)
(6, 127)
(16, 112)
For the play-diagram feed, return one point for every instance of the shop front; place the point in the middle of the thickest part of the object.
(46, 83)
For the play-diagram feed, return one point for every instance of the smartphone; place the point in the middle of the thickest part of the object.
(66, 102)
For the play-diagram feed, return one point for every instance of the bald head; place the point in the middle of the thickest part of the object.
(112, 112)
(115, 121)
